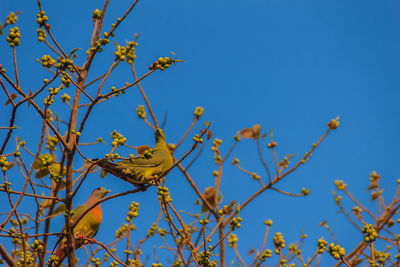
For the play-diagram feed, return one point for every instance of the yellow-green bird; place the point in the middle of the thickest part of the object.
(145, 168)
(87, 227)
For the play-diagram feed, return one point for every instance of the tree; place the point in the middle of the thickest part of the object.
(43, 178)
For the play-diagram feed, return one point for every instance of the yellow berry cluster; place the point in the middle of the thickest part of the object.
(336, 251)
(235, 223)
(65, 64)
(177, 263)
(47, 61)
(152, 230)
(25, 258)
(37, 245)
(141, 112)
(204, 259)
(340, 185)
(120, 53)
(321, 245)
(284, 163)
(44, 160)
(96, 262)
(255, 177)
(333, 124)
(197, 139)
(114, 264)
(2, 70)
(266, 254)
(11, 19)
(161, 63)
(96, 14)
(130, 52)
(65, 98)
(121, 232)
(41, 34)
(51, 142)
(118, 139)
(112, 157)
(163, 193)
(117, 93)
(48, 100)
(268, 222)
(305, 191)
(235, 161)
(294, 249)
(4, 164)
(381, 257)
(41, 18)
(14, 36)
(279, 242)
(369, 232)
(65, 79)
(198, 112)
(53, 259)
(232, 240)
(133, 211)
(156, 265)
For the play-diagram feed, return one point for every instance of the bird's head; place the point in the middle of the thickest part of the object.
(159, 135)
(100, 192)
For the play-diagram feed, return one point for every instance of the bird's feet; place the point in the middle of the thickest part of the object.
(154, 180)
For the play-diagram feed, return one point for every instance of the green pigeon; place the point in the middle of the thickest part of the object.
(87, 227)
(142, 169)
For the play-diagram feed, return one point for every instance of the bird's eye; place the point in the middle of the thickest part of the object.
(98, 188)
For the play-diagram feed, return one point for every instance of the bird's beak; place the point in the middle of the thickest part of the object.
(108, 191)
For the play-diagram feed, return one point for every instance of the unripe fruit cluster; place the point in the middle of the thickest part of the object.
(11, 19)
(133, 211)
(335, 251)
(41, 18)
(161, 63)
(321, 246)
(119, 139)
(232, 240)
(369, 232)
(279, 242)
(198, 112)
(141, 112)
(47, 61)
(163, 193)
(41, 34)
(4, 164)
(14, 36)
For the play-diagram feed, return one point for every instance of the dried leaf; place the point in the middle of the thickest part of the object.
(253, 133)
(12, 96)
(209, 195)
(209, 135)
(373, 185)
(103, 173)
(374, 195)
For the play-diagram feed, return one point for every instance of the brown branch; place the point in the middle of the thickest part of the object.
(7, 258)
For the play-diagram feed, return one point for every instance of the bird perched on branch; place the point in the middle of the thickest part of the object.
(145, 168)
(86, 228)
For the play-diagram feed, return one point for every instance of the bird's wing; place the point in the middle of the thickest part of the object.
(77, 211)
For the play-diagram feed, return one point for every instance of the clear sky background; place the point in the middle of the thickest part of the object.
(290, 66)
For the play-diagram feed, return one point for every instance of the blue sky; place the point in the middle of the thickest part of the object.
(290, 66)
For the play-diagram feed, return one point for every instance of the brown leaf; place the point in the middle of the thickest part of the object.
(209, 135)
(374, 195)
(253, 133)
(373, 185)
(209, 195)
(12, 96)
